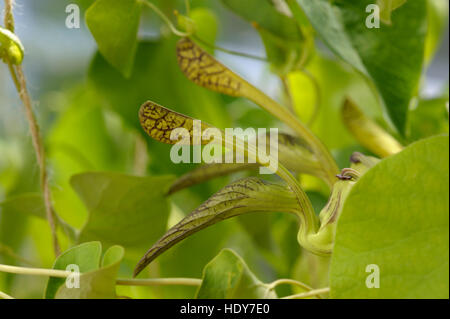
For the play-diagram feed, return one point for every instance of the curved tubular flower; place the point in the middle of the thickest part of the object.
(293, 153)
(204, 70)
(160, 122)
(367, 132)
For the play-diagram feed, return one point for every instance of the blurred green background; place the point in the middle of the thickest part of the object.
(88, 117)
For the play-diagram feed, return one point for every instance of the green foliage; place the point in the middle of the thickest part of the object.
(114, 25)
(122, 209)
(395, 68)
(115, 193)
(228, 277)
(429, 118)
(322, 107)
(206, 25)
(159, 78)
(98, 274)
(396, 217)
(32, 204)
(84, 138)
(286, 44)
(241, 197)
(266, 15)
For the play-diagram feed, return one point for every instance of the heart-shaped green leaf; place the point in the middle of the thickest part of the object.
(395, 226)
(97, 284)
(391, 55)
(114, 25)
(127, 210)
(96, 280)
(228, 277)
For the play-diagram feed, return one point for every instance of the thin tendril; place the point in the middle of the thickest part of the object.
(278, 282)
(159, 282)
(179, 33)
(312, 293)
(287, 91)
(166, 20)
(245, 55)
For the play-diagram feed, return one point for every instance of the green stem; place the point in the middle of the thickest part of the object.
(305, 213)
(163, 17)
(120, 281)
(35, 271)
(300, 284)
(311, 293)
(159, 282)
(179, 33)
(241, 54)
(13, 73)
(323, 155)
(278, 282)
(287, 91)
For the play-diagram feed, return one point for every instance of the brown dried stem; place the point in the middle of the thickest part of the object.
(19, 79)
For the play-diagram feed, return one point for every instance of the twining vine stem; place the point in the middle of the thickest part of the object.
(179, 33)
(120, 281)
(165, 19)
(155, 281)
(19, 80)
(287, 91)
(159, 281)
(228, 51)
(35, 271)
(293, 282)
(278, 282)
(308, 220)
(312, 293)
